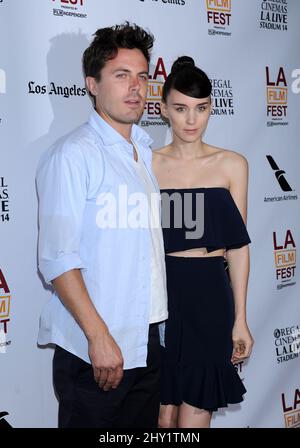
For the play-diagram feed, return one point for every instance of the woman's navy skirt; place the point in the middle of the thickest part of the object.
(196, 359)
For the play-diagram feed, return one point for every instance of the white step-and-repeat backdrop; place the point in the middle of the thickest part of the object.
(250, 50)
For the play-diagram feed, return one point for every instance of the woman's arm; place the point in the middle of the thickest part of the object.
(238, 261)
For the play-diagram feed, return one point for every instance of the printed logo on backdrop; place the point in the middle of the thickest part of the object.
(3, 422)
(287, 343)
(282, 182)
(296, 82)
(4, 201)
(5, 299)
(291, 408)
(151, 115)
(285, 258)
(55, 89)
(166, 2)
(277, 96)
(239, 368)
(218, 17)
(2, 84)
(222, 97)
(69, 8)
(274, 15)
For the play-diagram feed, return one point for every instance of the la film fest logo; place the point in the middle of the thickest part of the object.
(287, 343)
(282, 182)
(132, 210)
(4, 201)
(274, 15)
(219, 17)
(70, 8)
(5, 299)
(57, 90)
(285, 259)
(291, 408)
(222, 97)
(277, 96)
(151, 115)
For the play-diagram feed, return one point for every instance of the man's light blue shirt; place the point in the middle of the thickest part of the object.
(72, 177)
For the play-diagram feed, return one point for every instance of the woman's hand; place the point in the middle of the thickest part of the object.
(242, 341)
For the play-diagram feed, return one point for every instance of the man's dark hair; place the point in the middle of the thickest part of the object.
(108, 40)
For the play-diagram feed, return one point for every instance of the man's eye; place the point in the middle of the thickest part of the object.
(121, 75)
(202, 108)
(180, 109)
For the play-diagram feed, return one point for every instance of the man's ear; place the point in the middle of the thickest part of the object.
(92, 85)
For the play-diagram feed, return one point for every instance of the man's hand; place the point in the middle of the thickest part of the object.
(107, 361)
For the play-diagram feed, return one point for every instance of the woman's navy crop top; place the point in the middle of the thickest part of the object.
(222, 224)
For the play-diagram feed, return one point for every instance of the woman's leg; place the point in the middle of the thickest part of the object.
(168, 416)
(192, 417)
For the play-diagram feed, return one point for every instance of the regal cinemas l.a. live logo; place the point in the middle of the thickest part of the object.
(4, 201)
(277, 97)
(287, 343)
(5, 299)
(222, 97)
(219, 17)
(71, 8)
(274, 15)
(151, 115)
(285, 259)
(291, 409)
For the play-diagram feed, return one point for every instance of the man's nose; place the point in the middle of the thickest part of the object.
(134, 83)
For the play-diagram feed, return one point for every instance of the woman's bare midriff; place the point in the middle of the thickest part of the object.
(198, 253)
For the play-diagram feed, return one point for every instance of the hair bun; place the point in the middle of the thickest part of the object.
(181, 63)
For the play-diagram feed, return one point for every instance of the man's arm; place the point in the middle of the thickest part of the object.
(62, 185)
(104, 353)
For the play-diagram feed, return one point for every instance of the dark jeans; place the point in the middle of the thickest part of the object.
(82, 404)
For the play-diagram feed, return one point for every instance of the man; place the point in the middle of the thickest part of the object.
(108, 276)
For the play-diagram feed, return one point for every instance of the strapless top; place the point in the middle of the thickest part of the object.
(209, 220)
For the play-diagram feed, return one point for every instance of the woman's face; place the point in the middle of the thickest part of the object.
(188, 116)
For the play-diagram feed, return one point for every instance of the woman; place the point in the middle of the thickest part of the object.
(207, 332)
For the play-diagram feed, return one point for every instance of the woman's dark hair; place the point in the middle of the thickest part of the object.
(108, 40)
(187, 79)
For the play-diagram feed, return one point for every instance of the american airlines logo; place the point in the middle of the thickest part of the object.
(279, 174)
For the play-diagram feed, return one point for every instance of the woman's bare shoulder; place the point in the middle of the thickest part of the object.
(164, 151)
(228, 156)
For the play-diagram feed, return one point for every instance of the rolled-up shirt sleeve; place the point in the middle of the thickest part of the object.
(61, 182)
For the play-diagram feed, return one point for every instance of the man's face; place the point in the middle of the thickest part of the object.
(121, 92)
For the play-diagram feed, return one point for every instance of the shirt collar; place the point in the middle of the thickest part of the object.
(110, 136)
